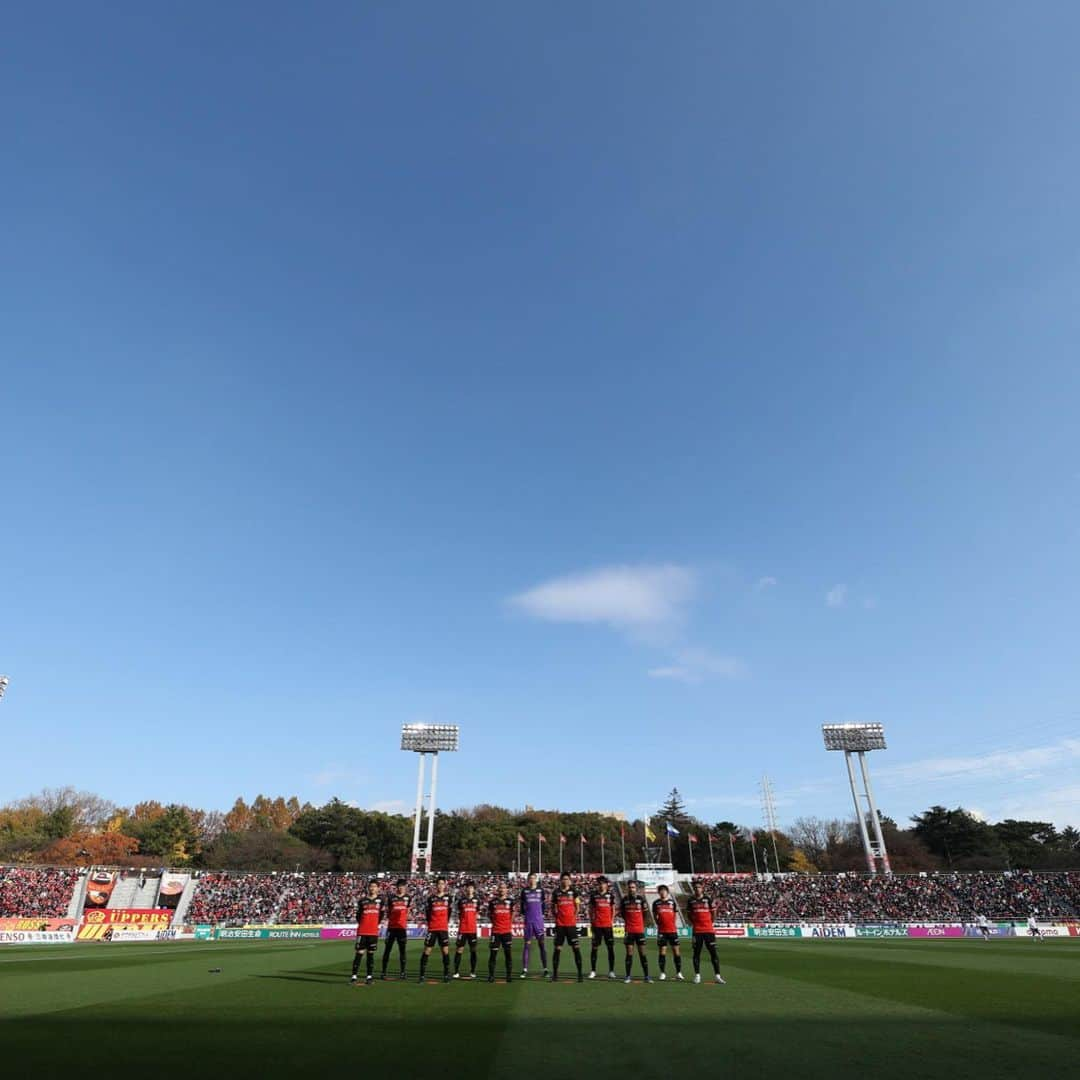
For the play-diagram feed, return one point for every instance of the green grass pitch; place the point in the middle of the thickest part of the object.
(911, 1009)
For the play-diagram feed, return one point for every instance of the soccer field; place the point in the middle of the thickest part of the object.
(808, 1008)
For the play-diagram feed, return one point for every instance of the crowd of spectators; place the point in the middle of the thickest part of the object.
(36, 891)
(296, 899)
(235, 899)
(900, 898)
(227, 899)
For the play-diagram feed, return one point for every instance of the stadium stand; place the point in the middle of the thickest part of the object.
(41, 891)
(227, 899)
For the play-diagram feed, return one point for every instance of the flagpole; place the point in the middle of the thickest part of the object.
(667, 829)
(753, 848)
(518, 860)
(691, 858)
(562, 844)
(540, 857)
(712, 855)
(583, 856)
(603, 868)
(731, 841)
(622, 841)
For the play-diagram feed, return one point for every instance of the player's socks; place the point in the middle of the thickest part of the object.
(370, 965)
(423, 965)
(457, 962)
(678, 965)
(645, 965)
(491, 966)
(663, 963)
(577, 960)
(355, 963)
(629, 964)
(610, 957)
(593, 954)
(446, 965)
(508, 956)
(543, 954)
(525, 956)
(555, 965)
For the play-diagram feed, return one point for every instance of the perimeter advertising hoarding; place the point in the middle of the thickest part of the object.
(774, 931)
(35, 931)
(37, 937)
(881, 931)
(935, 931)
(827, 930)
(730, 931)
(96, 924)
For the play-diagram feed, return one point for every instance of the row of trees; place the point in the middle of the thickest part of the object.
(70, 827)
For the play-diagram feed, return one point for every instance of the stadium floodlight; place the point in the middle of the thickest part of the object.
(853, 737)
(429, 738)
(860, 739)
(424, 739)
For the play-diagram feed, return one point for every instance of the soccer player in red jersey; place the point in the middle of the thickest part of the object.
(665, 915)
(565, 901)
(602, 925)
(701, 922)
(501, 914)
(468, 907)
(369, 913)
(633, 915)
(397, 925)
(438, 927)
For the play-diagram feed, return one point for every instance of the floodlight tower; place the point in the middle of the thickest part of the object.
(859, 739)
(424, 739)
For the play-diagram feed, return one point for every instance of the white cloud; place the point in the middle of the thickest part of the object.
(1026, 764)
(836, 597)
(765, 583)
(696, 665)
(625, 597)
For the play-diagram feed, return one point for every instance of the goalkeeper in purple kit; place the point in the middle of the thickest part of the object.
(531, 903)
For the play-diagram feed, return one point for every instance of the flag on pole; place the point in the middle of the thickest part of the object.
(521, 839)
(562, 839)
(671, 830)
(542, 838)
(584, 841)
(692, 838)
(649, 834)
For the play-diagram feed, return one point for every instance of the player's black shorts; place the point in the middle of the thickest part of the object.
(396, 934)
(501, 941)
(566, 935)
(634, 939)
(602, 934)
(669, 939)
(366, 941)
(466, 939)
(437, 937)
(704, 939)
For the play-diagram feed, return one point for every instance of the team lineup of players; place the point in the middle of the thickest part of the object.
(566, 903)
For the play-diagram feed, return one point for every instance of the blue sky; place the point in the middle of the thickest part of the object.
(638, 388)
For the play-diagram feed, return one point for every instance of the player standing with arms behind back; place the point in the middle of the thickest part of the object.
(701, 922)
(665, 914)
(501, 914)
(397, 925)
(602, 926)
(633, 916)
(565, 901)
(531, 905)
(369, 913)
(438, 929)
(468, 908)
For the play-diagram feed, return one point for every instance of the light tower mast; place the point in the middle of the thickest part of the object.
(860, 739)
(424, 739)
